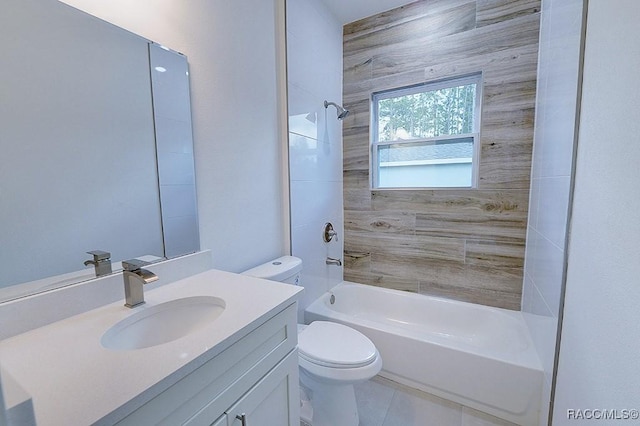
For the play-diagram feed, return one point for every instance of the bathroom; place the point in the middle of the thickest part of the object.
(236, 53)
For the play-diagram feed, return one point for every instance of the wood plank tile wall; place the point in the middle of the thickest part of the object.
(465, 244)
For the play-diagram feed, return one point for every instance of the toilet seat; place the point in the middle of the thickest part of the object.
(333, 345)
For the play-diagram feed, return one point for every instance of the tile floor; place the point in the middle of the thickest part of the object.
(382, 402)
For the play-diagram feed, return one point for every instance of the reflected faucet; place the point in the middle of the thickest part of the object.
(134, 279)
(101, 261)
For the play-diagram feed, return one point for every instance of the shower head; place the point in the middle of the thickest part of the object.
(342, 113)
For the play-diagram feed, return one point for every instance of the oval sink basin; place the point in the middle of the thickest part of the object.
(163, 323)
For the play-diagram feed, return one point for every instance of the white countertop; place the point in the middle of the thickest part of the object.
(72, 379)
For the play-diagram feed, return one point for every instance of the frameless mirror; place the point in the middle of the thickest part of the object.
(96, 147)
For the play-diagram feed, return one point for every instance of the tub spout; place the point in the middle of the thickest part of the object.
(332, 261)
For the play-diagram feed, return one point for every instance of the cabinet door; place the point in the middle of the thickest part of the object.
(273, 401)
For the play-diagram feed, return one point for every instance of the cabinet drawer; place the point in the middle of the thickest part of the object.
(222, 380)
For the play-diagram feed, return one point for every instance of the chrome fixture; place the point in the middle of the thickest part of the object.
(332, 261)
(243, 419)
(342, 112)
(101, 262)
(134, 279)
(328, 232)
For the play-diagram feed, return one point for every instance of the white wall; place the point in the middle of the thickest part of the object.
(555, 128)
(314, 59)
(232, 47)
(599, 365)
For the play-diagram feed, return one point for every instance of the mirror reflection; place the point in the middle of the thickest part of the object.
(78, 170)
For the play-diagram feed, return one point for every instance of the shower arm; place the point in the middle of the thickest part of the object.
(342, 112)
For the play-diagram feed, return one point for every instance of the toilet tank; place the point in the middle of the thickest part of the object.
(284, 269)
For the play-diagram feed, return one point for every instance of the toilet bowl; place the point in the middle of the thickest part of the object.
(331, 357)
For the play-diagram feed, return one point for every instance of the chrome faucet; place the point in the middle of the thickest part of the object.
(134, 279)
(332, 261)
(101, 261)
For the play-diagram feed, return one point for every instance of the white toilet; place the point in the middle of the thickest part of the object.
(332, 358)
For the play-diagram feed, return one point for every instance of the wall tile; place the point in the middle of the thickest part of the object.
(486, 285)
(171, 87)
(416, 246)
(422, 52)
(380, 222)
(176, 168)
(315, 160)
(530, 252)
(455, 19)
(483, 296)
(494, 253)
(550, 189)
(452, 201)
(173, 136)
(309, 49)
(408, 12)
(180, 233)
(316, 202)
(178, 200)
(542, 326)
(314, 43)
(395, 49)
(534, 202)
(527, 295)
(381, 280)
(493, 11)
(554, 197)
(547, 272)
(305, 112)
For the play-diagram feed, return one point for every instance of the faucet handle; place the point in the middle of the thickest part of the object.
(99, 255)
(329, 233)
(134, 264)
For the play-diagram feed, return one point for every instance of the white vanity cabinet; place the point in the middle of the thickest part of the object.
(256, 376)
(269, 402)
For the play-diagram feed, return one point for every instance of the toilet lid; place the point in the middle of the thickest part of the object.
(335, 345)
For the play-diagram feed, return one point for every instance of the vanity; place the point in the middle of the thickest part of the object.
(230, 360)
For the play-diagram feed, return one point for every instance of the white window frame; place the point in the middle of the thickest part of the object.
(374, 166)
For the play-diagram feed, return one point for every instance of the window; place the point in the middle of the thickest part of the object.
(427, 136)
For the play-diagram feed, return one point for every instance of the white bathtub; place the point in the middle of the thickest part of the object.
(475, 355)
